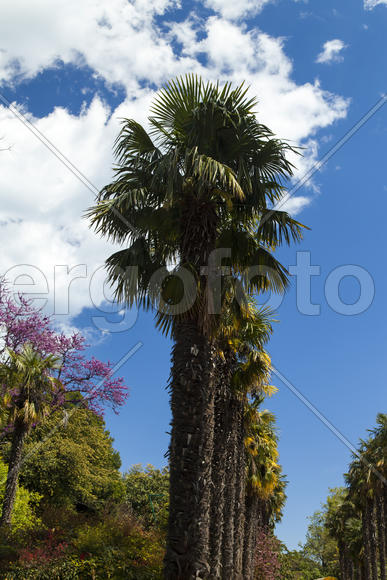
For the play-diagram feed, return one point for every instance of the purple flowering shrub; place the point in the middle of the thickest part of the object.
(89, 378)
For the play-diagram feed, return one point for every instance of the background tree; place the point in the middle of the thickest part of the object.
(41, 370)
(21, 323)
(30, 392)
(77, 467)
(146, 491)
(295, 565)
(319, 545)
(353, 515)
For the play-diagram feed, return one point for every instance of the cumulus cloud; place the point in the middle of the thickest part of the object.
(235, 10)
(232, 10)
(370, 4)
(123, 42)
(119, 40)
(331, 52)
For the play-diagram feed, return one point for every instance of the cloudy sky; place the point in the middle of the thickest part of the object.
(70, 70)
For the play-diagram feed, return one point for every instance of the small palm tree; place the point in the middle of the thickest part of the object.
(28, 395)
(263, 478)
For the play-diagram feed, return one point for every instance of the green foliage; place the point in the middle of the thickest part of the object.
(146, 491)
(76, 465)
(117, 548)
(296, 566)
(320, 546)
(76, 569)
(123, 546)
(24, 518)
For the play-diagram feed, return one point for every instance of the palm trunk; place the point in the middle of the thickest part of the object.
(343, 571)
(192, 402)
(367, 547)
(19, 435)
(357, 571)
(384, 510)
(381, 523)
(240, 499)
(192, 405)
(251, 525)
(372, 538)
(228, 570)
(350, 569)
(219, 471)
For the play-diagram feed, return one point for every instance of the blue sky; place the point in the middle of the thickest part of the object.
(74, 68)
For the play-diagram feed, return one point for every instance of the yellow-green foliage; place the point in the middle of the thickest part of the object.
(24, 517)
(123, 539)
(147, 492)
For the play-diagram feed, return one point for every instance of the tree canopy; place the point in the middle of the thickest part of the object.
(77, 466)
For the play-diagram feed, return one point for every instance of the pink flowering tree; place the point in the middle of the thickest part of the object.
(42, 371)
(92, 379)
(267, 564)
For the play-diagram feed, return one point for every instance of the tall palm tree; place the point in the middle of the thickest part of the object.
(204, 177)
(29, 394)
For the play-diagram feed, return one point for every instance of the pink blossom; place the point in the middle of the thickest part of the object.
(91, 378)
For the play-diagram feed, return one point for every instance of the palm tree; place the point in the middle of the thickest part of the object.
(242, 366)
(377, 456)
(29, 394)
(361, 492)
(263, 479)
(205, 177)
(356, 514)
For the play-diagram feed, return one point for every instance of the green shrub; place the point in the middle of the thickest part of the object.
(24, 518)
(75, 569)
(121, 540)
(118, 548)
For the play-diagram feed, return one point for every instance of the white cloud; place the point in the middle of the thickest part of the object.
(331, 52)
(232, 10)
(118, 40)
(42, 201)
(370, 4)
(235, 10)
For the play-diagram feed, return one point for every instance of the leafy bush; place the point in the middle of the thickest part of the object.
(76, 569)
(117, 548)
(122, 542)
(24, 517)
(147, 492)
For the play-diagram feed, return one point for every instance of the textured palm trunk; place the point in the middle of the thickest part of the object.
(252, 520)
(372, 538)
(357, 572)
(192, 402)
(15, 458)
(381, 523)
(384, 508)
(192, 405)
(367, 572)
(342, 562)
(240, 498)
(219, 464)
(350, 568)
(228, 569)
